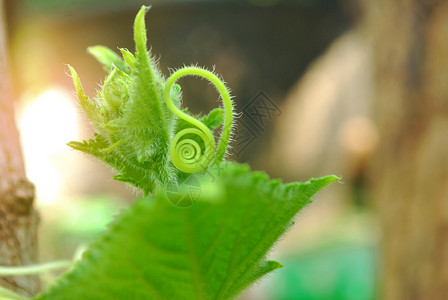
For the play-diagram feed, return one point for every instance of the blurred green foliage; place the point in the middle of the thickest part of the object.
(339, 272)
(89, 217)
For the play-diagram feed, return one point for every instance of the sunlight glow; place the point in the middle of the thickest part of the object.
(47, 122)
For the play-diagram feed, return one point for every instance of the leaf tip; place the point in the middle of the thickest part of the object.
(128, 57)
(76, 81)
(75, 145)
(331, 178)
(274, 265)
(140, 29)
(73, 73)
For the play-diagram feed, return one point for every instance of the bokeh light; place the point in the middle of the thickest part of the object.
(47, 122)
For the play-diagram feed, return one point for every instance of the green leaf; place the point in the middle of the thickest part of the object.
(128, 57)
(211, 250)
(108, 58)
(88, 106)
(214, 119)
(114, 94)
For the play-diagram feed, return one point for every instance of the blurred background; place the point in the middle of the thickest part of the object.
(349, 87)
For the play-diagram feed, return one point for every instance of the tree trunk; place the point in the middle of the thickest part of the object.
(18, 219)
(410, 170)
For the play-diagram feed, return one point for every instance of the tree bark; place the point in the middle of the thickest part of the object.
(18, 219)
(410, 170)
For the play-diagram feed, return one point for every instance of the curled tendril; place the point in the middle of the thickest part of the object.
(186, 153)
